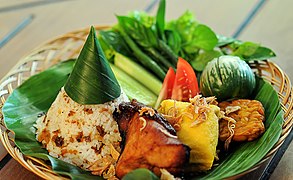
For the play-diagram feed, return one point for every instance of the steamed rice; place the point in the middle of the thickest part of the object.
(83, 135)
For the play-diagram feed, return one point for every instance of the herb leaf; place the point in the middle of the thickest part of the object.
(203, 37)
(160, 19)
(202, 59)
(251, 51)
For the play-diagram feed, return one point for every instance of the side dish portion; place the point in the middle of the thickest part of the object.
(84, 135)
(149, 141)
(79, 127)
(196, 123)
(248, 116)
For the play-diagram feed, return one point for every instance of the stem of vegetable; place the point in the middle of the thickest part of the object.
(138, 72)
(144, 59)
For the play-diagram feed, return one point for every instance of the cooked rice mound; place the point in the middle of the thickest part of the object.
(83, 135)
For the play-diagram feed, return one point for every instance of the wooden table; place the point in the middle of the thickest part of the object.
(271, 26)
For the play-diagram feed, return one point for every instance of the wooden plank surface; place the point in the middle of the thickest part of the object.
(271, 27)
(14, 171)
(56, 19)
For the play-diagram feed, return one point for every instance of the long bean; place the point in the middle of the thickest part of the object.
(160, 59)
(168, 51)
(144, 59)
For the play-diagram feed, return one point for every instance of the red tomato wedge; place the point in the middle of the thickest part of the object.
(167, 87)
(185, 85)
(180, 86)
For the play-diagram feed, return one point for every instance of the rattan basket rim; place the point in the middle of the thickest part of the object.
(267, 69)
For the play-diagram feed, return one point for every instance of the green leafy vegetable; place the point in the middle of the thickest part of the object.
(193, 36)
(203, 58)
(184, 25)
(204, 38)
(141, 16)
(223, 40)
(162, 42)
(248, 51)
(92, 80)
(173, 40)
(144, 37)
(160, 21)
(144, 59)
(114, 41)
(251, 51)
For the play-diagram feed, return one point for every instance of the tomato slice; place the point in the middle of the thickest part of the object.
(167, 87)
(185, 85)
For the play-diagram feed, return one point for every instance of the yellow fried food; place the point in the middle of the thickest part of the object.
(249, 117)
(197, 127)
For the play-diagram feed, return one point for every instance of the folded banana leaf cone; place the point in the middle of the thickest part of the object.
(92, 80)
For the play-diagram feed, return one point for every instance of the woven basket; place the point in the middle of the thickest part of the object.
(68, 46)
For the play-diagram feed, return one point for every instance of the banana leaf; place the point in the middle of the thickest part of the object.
(35, 96)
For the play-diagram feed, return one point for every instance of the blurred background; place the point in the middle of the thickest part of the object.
(26, 24)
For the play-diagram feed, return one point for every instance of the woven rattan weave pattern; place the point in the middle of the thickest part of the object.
(68, 46)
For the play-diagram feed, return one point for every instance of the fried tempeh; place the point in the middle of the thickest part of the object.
(249, 117)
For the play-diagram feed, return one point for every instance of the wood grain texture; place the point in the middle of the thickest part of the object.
(272, 27)
(13, 170)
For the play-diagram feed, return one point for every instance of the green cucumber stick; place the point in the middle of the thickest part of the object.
(133, 89)
(137, 72)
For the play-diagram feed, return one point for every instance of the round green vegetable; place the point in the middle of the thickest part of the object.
(227, 77)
